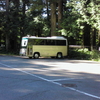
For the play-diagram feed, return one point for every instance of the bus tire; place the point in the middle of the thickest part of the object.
(30, 57)
(52, 57)
(36, 55)
(59, 55)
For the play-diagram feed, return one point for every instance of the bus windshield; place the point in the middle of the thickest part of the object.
(24, 42)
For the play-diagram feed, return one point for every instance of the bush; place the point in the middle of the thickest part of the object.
(84, 54)
(95, 55)
(4, 52)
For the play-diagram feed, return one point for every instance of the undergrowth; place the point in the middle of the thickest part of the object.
(4, 52)
(84, 54)
(79, 54)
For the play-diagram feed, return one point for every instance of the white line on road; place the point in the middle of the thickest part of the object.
(82, 92)
(62, 79)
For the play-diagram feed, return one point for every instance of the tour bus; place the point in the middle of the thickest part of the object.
(35, 47)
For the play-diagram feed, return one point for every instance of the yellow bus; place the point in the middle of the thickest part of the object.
(54, 46)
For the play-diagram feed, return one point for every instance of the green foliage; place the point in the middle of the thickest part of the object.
(79, 54)
(37, 26)
(4, 52)
(77, 14)
(46, 28)
(27, 17)
(95, 55)
(89, 13)
(84, 54)
(36, 5)
(70, 25)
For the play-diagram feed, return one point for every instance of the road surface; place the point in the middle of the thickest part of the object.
(48, 79)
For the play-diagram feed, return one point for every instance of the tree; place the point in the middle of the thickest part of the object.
(79, 20)
(53, 18)
(60, 13)
(7, 36)
(91, 17)
(88, 18)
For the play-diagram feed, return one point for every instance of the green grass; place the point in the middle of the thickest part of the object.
(84, 54)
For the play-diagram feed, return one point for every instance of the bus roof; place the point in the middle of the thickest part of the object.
(53, 37)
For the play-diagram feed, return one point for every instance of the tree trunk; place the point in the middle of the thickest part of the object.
(0, 39)
(99, 40)
(24, 7)
(13, 43)
(93, 39)
(23, 11)
(86, 31)
(7, 36)
(60, 14)
(53, 19)
(7, 43)
(47, 6)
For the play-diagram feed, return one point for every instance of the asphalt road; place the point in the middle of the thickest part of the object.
(48, 79)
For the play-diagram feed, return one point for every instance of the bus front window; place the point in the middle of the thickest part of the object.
(23, 46)
(24, 42)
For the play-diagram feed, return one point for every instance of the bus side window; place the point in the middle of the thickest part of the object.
(60, 42)
(50, 42)
(41, 42)
(38, 42)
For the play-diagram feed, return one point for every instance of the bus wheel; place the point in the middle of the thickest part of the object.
(59, 55)
(36, 55)
(30, 57)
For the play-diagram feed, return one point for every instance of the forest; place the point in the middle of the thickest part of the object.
(77, 20)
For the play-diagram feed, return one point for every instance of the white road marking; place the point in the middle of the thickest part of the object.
(62, 79)
(82, 92)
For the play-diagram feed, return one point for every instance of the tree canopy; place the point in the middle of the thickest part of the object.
(78, 20)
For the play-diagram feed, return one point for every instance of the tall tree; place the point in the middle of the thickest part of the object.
(87, 31)
(60, 13)
(88, 20)
(53, 18)
(7, 35)
(47, 9)
(87, 27)
(99, 39)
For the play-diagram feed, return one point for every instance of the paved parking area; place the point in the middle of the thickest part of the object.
(45, 79)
